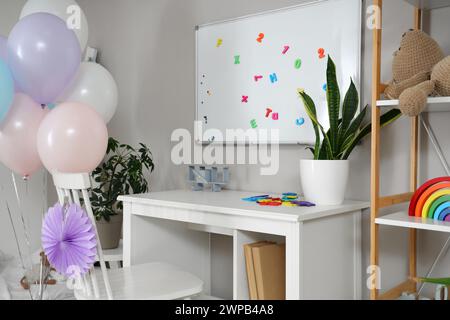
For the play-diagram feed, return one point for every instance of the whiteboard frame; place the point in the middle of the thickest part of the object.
(359, 85)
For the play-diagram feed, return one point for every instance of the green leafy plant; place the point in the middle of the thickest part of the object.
(122, 173)
(438, 281)
(346, 131)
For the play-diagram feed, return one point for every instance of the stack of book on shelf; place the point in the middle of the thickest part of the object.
(266, 270)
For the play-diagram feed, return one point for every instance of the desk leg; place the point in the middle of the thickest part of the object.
(294, 263)
(357, 249)
(126, 234)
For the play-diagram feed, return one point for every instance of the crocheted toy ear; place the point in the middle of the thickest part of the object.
(418, 53)
(441, 76)
(414, 100)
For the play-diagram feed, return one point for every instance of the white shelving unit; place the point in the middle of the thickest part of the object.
(429, 4)
(378, 202)
(435, 104)
(403, 220)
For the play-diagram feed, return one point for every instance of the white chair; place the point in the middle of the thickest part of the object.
(151, 281)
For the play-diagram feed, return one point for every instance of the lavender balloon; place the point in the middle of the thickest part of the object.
(68, 239)
(44, 56)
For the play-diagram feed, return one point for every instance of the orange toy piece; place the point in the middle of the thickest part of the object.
(424, 197)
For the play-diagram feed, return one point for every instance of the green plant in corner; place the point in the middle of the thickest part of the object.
(346, 130)
(123, 172)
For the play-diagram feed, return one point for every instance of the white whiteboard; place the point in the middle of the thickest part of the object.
(223, 81)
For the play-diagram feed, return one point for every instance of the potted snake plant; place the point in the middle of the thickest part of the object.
(123, 172)
(324, 179)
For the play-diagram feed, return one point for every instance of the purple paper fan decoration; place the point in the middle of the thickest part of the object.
(68, 239)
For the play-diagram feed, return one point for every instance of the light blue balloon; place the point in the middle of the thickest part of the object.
(6, 90)
(51, 106)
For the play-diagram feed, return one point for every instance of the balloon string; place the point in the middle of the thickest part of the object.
(42, 278)
(17, 242)
(22, 217)
(15, 235)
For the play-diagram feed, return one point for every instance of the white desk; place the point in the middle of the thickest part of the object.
(323, 244)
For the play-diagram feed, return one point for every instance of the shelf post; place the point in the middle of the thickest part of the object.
(375, 154)
(414, 168)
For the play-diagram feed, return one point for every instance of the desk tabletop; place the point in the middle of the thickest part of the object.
(231, 203)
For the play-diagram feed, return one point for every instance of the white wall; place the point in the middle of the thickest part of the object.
(148, 45)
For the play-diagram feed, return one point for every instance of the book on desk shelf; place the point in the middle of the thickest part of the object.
(266, 265)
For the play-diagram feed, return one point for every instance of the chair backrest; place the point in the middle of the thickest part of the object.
(71, 188)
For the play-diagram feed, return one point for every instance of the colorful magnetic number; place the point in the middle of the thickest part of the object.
(254, 124)
(260, 37)
(273, 78)
(286, 49)
(321, 53)
(258, 77)
(275, 115)
(298, 63)
(219, 42)
(299, 122)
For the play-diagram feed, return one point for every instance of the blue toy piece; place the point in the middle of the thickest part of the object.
(201, 176)
(290, 194)
(256, 199)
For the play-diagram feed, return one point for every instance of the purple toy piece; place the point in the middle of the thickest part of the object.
(303, 203)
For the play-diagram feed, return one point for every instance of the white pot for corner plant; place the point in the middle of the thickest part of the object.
(324, 182)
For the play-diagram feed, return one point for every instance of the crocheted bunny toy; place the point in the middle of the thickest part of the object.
(420, 69)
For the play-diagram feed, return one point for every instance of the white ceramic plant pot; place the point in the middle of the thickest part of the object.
(324, 182)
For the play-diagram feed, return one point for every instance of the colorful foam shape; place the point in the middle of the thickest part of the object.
(421, 190)
(444, 214)
(436, 204)
(439, 209)
(426, 194)
(435, 196)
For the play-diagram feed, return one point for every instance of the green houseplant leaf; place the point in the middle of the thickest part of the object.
(349, 109)
(438, 281)
(334, 101)
(311, 111)
(347, 132)
(123, 172)
(385, 120)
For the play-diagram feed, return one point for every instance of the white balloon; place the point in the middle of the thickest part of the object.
(64, 9)
(96, 87)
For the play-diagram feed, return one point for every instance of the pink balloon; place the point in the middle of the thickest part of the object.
(72, 139)
(18, 136)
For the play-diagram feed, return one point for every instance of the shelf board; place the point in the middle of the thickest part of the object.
(435, 104)
(402, 220)
(429, 4)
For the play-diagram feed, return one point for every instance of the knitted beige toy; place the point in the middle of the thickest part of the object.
(420, 69)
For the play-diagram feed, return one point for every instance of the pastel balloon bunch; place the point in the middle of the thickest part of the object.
(41, 68)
